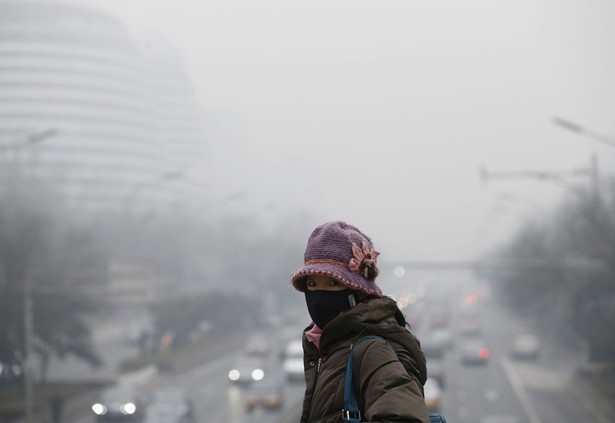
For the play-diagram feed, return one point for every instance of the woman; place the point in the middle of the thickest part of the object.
(345, 303)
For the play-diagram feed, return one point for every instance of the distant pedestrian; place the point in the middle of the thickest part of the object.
(345, 303)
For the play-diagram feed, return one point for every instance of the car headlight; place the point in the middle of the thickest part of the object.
(233, 375)
(258, 374)
(99, 409)
(128, 408)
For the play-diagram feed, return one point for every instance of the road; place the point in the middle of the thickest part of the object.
(503, 391)
(216, 399)
(507, 390)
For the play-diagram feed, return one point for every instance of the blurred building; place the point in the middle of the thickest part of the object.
(109, 120)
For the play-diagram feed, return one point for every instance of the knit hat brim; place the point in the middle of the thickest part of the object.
(344, 276)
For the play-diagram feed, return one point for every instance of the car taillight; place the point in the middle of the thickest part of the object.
(484, 353)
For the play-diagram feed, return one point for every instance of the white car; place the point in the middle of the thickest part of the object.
(433, 395)
(525, 347)
(293, 361)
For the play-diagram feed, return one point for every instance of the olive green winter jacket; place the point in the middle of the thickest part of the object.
(389, 385)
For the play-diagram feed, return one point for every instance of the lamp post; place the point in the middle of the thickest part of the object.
(10, 152)
(30, 140)
(571, 126)
(28, 334)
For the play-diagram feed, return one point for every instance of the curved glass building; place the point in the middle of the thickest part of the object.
(87, 108)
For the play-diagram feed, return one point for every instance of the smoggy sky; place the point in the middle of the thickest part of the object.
(381, 112)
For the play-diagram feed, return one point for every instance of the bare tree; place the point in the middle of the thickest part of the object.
(574, 288)
(45, 256)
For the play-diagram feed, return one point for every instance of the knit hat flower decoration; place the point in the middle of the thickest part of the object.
(364, 260)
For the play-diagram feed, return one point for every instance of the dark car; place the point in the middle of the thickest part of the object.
(470, 326)
(258, 346)
(436, 344)
(475, 352)
(119, 403)
(247, 369)
(266, 394)
(432, 349)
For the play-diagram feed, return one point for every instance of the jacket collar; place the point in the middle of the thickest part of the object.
(374, 315)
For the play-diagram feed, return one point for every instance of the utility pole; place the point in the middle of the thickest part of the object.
(27, 361)
(595, 179)
(591, 172)
(593, 135)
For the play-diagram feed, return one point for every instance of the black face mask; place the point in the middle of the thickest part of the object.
(323, 306)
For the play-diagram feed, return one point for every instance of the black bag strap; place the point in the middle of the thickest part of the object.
(351, 412)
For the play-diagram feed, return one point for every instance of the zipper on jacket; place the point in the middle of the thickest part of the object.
(314, 384)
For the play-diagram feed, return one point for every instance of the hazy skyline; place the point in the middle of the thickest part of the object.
(381, 112)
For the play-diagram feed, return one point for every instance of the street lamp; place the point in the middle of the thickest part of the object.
(571, 126)
(30, 140)
(28, 334)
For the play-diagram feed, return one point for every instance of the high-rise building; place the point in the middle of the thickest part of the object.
(108, 120)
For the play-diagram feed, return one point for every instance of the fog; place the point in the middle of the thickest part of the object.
(381, 113)
(162, 165)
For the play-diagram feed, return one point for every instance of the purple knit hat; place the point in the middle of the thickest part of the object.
(343, 252)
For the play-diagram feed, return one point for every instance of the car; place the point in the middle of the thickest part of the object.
(258, 346)
(247, 369)
(440, 320)
(170, 403)
(119, 403)
(475, 352)
(525, 347)
(433, 395)
(265, 394)
(432, 348)
(293, 361)
(436, 343)
(470, 326)
(443, 336)
(435, 370)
